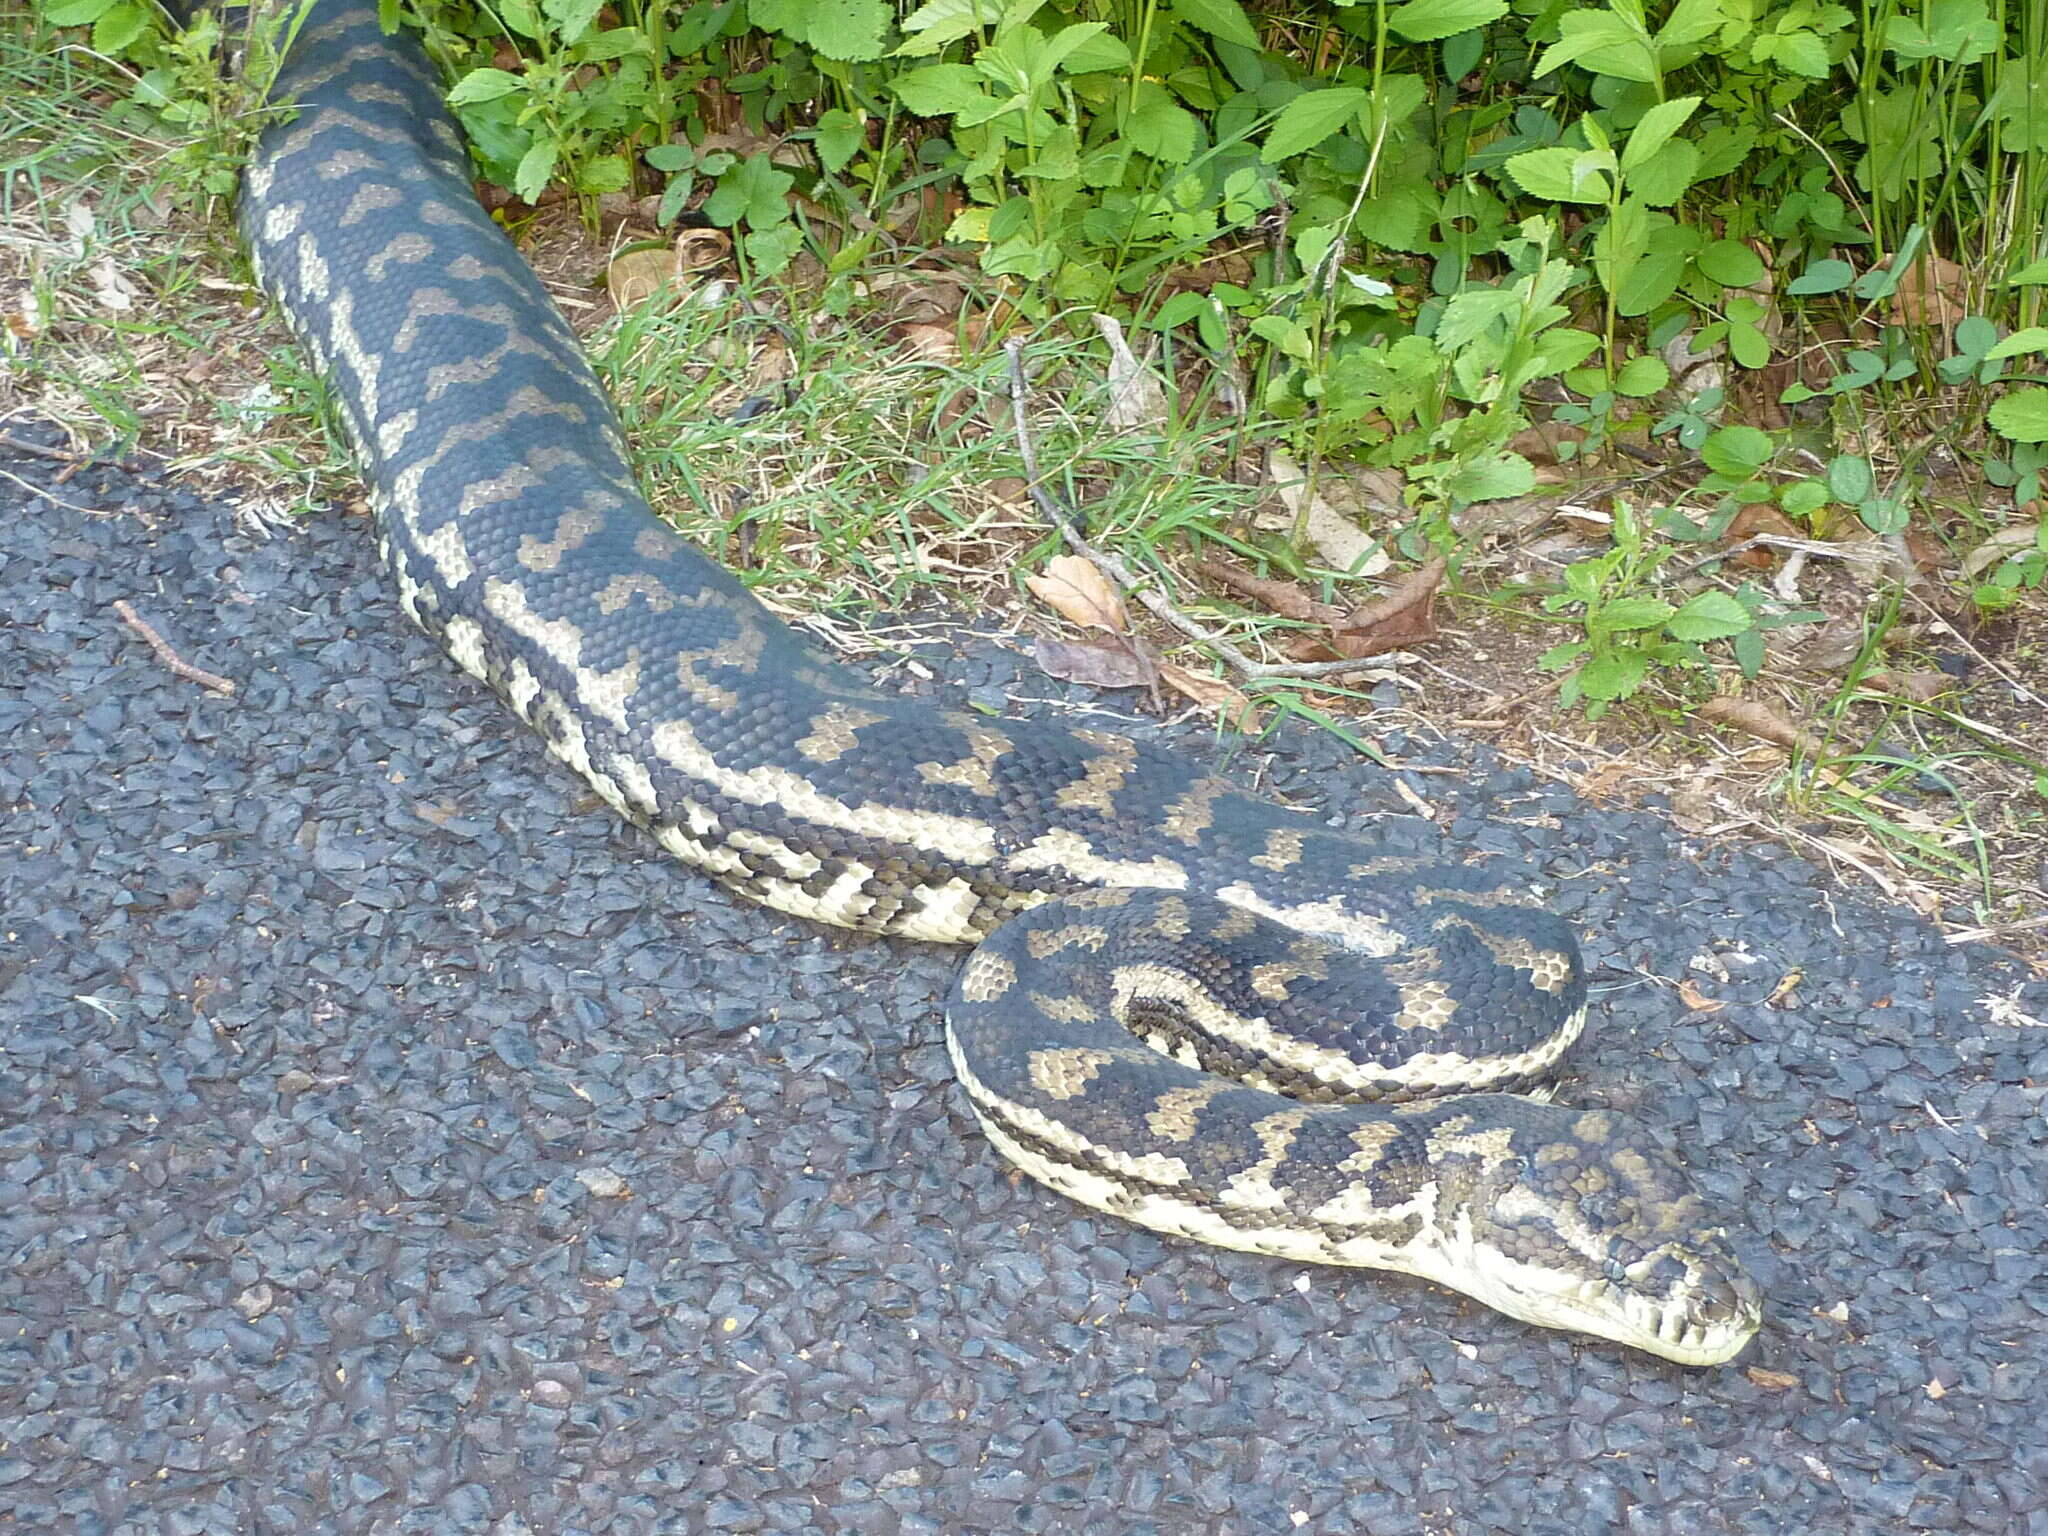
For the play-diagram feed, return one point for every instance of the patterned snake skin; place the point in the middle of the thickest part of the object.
(1203, 931)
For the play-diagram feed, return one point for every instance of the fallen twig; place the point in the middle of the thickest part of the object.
(17, 445)
(170, 658)
(1068, 524)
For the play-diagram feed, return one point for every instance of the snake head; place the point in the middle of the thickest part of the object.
(1578, 1220)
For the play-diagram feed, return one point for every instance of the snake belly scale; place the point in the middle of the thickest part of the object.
(1141, 928)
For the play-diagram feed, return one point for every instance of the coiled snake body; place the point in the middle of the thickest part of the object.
(1200, 931)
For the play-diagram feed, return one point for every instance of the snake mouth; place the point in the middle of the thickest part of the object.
(1706, 1316)
(1709, 1322)
(1687, 1330)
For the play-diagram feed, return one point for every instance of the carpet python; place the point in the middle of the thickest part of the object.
(1188, 1007)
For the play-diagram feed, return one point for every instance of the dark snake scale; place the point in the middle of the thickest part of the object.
(1196, 930)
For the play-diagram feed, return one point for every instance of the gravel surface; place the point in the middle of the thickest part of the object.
(390, 1141)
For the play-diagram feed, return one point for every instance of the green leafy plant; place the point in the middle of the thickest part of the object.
(1629, 631)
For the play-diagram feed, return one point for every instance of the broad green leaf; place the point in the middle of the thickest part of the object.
(1161, 127)
(520, 16)
(1218, 18)
(535, 167)
(1288, 335)
(1802, 52)
(1562, 175)
(1424, 21)
(1642, 376)
(1956, 31)
(611, 43)
(1604, 43)
(1063, 44)
(839, 29)
(602, 174)
(1737, 452)
(1622, 242)
(1492, 477)
(1311, 118)
(1626, 613)
(2032, 272)
(1397, 99)
(1694, 21)
(1655, 127)
(119, 27)
(2022, 415)
(1749, 652)
(1559, 349)
(1655, 277)
(1708, 616)
(2033, 338)
(1976, 335)
(838, 138)
(77, 13)
(931, 26)
(1803, 498)
(1098, 54)
(1615, 675)
(770, 250)
(1470, 313)
(1398, 219)
(1663, 179)
(484, 85)
(752, 190)
(939, 90)
(1828, 275)
(1850, 479)
(571, 18)
(1748, 345)
(1730, 263)
(1180, 309)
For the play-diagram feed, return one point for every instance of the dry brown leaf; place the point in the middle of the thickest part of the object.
(2017, 539)
(633, 277)
(1077, 591)
(1212, 693)
(1586, 522)
(112, 289)
(1602, 781)
(1696, 1000)
(1781, 994)
(1834, 645)
(1285, 598)
(1770, 1381)
(918, 295)
(1402, 617)
(1761, 721)
(1759, 517)
(1375, 490)
(1341, 543)
(1933, 292)
(1921, 687)
(929, 343)
(697, 249)
(1136, 398)
(1118, 662)
(25, 322)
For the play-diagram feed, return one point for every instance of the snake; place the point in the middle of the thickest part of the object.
(1191, 1008)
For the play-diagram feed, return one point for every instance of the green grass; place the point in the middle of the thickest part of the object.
(891, 477)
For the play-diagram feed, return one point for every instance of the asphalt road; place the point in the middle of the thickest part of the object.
(389, 1141)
